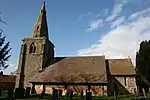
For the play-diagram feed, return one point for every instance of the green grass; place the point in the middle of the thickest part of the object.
(120, 97)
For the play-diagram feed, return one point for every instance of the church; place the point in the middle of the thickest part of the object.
(38, 67)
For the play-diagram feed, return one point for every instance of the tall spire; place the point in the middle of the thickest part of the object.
(41, 28)
(43, 9)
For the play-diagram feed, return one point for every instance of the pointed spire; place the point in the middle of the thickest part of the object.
(43, 9)
(41, 28)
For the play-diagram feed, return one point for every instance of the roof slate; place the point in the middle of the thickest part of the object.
(89, 69)
(121, 67)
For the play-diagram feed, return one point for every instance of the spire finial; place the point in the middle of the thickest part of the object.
(41, 28)
(43, 9)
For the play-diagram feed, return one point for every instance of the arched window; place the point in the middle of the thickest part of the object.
(32, 48)
(37, 28)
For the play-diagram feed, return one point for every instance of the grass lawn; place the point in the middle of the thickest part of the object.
(120, 97)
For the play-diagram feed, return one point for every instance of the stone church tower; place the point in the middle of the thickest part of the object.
(35, 53)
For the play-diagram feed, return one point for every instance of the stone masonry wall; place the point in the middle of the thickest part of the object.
(32, 65)
(96, 90)
(129, 85)
(20, 66)
(33, 62)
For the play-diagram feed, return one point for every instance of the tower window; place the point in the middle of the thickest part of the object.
(37, 28)
(32, 48)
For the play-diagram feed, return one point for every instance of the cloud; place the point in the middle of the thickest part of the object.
(84, 15)
(123, 40)
(94, 24)
(118, 22)
(103, 13)
(11, 68)
(116, 10)
(145, 12)
(1, 19)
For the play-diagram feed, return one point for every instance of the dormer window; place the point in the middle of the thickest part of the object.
(32, 48)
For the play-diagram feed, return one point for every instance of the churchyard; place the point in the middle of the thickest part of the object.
(39, 66)
(8, 96)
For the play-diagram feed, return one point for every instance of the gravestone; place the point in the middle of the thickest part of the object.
(27, 93)
(144, 93)
(71, 95)
(5, 93)
(60, 92)
(89, 96)
(81, 95)
(55, 94)
(116, 90)
(0, 92)
(33, 91)
(10, 93)
(19, 92)
(42, 94)
(67, 94)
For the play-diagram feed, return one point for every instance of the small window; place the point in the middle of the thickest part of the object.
(37, 28)
(32, 48)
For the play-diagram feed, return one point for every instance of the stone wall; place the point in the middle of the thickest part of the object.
(96, 90)
(126, 84)
(32, 62)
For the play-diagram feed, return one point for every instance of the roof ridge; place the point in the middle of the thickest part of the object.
(81, 56)
(120, 58)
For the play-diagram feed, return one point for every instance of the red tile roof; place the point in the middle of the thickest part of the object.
(7, 78)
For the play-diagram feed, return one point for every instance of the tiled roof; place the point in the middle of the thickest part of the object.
(75, 70)
(7, 78)
(121, 67)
